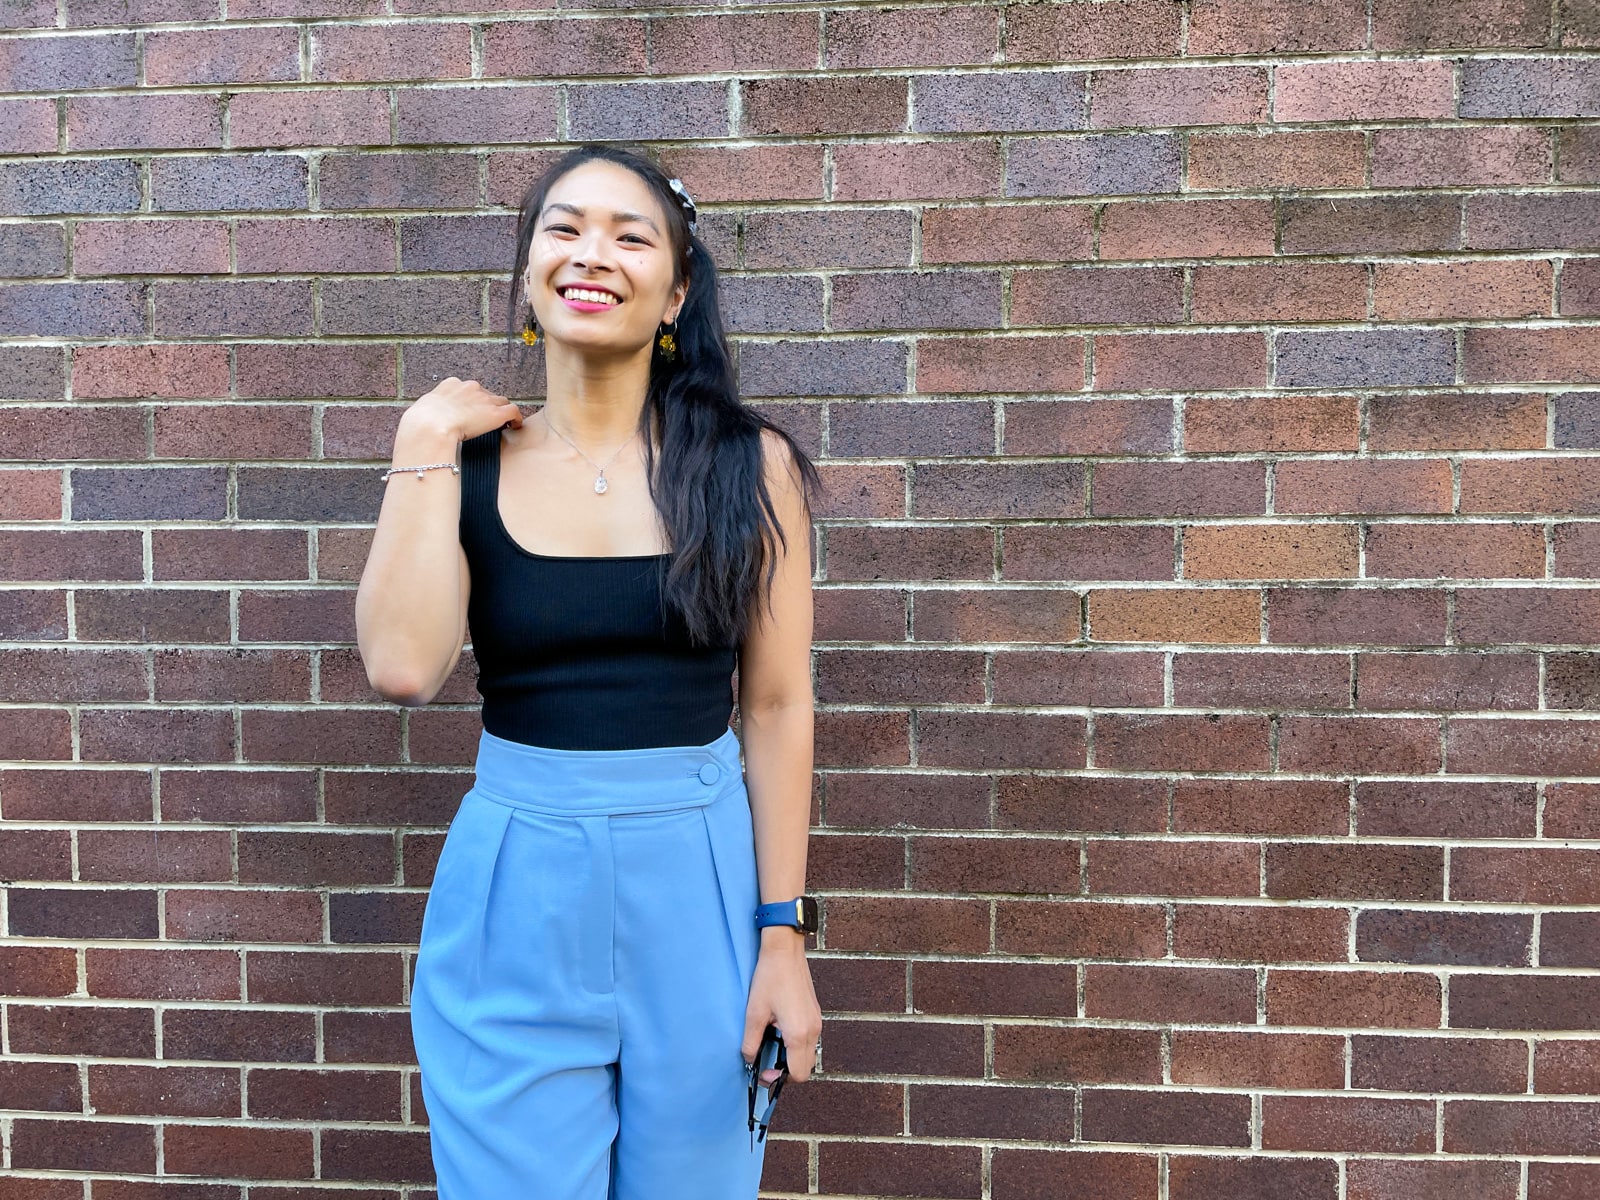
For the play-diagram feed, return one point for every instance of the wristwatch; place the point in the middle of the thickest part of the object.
(801, 912)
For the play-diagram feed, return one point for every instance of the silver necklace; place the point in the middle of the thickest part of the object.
(600, 484)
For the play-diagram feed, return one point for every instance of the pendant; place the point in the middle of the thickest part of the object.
(600, 484)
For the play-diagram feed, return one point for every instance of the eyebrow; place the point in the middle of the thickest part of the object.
(620, 215)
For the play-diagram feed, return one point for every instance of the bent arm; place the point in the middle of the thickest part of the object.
(775, 704)
(411, 604)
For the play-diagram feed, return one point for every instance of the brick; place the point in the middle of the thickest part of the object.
(1416, 25)
(1571, 809)
(897, 925)
(1525, 615)
(861, 553)
(1428, 1064)
(945, 1110)
(1004, 740)
(1348, 743)
(1580, 288)
(1535, 746)
(1444, 809)
(1532, 221)
(917, 170)
(1459, 421)
(875, 430)
(938, 300)
(1525, 1001)
(686, 45)
(829, 104)
(1209, 995)
(1088, 552)
(1541, 354)
(1227, 1058)
(1259, 1177)
(998, 490)
(164, 1091)
(1533, 485)
(1046, 1053)
(1471, 551)
(1176, 96)
(1179, 361)
(1166, 489)
(1517, 875)
(1476, 157)
(1561, 1066)
(862, 801)
(1047, 363)
(1569, 940)
(1247, 679)
(1530, 87)
(1561, 1181)
(1422, 1179)
(1272, 423)
(1183, 868)
(1572, 681)
(1362, 486)
(1079, 803)
(1044, 866)
(1075, 31)
(1271, 807)
(1299, 160)
(1448, 682)
(1281, 291)
(894, 38)
(1365, 871)
(1389, 90)
(1098, 296)
(1365, 357)
(1175, 615)
(1353, 999)
(899, 1047)
(1578, 154)
(1034, 101)
(1112, 164)
(1359, 1124)
(1080, 929)
(1041, 233)
(1265, 26)
(1371, 224)
(1011, 615)
(1453, 938)
(1106, 425)
(1272, 551)
(1198, 228)
(1462, 289)
(1170, 1118)
(1073, 1174)
(852, 1167)
(1260, 933)
(996, 988)
(1519, 1126)
(1096, 677)
(1187, 742)
(1342, 616)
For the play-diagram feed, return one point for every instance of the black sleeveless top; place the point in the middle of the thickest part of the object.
(580, 653)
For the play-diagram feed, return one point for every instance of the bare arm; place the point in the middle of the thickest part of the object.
(411, 603)
(775, 704)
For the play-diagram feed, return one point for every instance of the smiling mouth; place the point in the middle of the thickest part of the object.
(596, 297)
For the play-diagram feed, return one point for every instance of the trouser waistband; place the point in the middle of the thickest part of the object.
(591, 782)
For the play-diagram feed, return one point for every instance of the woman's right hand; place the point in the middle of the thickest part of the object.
(464, 407)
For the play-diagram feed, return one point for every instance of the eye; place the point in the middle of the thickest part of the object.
(570, 229)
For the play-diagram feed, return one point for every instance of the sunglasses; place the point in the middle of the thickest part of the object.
(771, 1054)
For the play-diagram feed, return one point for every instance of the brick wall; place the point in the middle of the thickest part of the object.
(1208, 793)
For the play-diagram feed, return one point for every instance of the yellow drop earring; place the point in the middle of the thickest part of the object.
(668, 343)
(530, 332)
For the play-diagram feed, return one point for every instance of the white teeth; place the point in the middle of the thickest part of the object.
(593, 297)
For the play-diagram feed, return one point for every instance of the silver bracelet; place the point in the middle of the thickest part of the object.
(418, 470)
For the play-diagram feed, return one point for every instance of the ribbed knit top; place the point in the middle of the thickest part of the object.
(580, 652)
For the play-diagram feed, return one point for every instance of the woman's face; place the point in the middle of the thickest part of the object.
(602, 228)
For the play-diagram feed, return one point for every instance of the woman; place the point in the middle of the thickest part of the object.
(615, 916)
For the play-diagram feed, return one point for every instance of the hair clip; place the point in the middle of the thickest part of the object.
(684, 199)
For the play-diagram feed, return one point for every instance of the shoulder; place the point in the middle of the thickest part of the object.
(778, 461)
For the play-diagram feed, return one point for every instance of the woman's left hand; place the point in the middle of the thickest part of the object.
(781, 993)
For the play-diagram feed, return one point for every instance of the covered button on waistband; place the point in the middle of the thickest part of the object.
(710, 772)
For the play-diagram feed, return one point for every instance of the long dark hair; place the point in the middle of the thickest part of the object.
(710, 489)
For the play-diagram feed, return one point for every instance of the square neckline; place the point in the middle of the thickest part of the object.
(500, 524)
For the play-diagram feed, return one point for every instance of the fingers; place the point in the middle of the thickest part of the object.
(755, 1024)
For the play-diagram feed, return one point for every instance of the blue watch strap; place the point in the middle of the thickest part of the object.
(782, 912)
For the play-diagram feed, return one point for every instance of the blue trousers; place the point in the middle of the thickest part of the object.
(579, 998)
